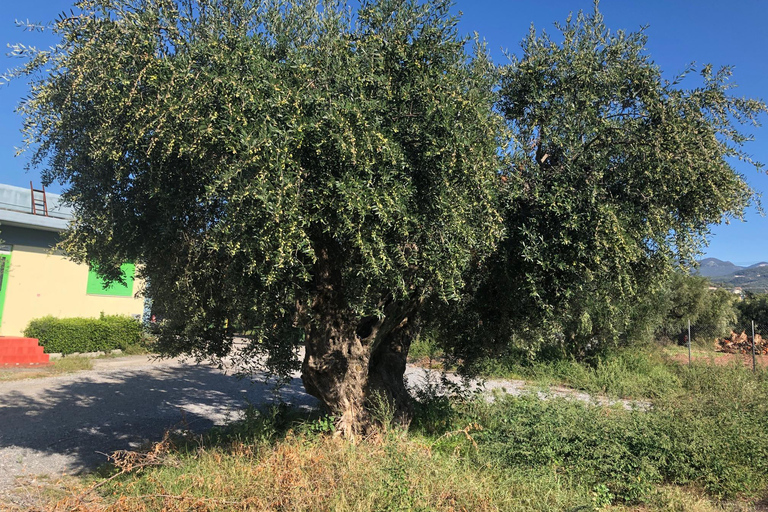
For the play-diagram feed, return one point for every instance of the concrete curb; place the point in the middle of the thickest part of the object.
(58, 355)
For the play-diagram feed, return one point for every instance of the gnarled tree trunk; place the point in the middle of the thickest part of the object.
(355, 366)
(355, 375)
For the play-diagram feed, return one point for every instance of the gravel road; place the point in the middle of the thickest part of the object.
(66, 424)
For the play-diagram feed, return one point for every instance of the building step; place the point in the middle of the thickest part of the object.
(15, 351)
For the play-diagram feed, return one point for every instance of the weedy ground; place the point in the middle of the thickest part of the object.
(60, 366)
(639, 372)
(702, 446)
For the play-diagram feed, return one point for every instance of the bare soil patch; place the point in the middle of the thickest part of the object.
(722, 359)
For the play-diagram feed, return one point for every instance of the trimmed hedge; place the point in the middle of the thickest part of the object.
(70, 335)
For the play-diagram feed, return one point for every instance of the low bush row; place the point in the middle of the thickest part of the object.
(70, 335)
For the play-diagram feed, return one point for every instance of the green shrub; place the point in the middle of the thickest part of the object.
(70, 335)
(424, 346)
(709, 436)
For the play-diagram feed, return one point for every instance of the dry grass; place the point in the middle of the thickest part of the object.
(709, 355)
(325, 473)
(299, 473)
(58, 367)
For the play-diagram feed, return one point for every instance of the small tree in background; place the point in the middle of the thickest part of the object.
(754, 307)
(712, 313)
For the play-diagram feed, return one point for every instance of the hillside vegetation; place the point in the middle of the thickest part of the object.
(754, 279)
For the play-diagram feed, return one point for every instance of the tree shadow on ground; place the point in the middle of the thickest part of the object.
(76, 423)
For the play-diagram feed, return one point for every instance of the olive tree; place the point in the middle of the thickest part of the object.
(616, 175)
(336, 179)
(301, 172)
(754, 308)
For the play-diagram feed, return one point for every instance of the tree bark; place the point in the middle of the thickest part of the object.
(355, 366)
(386, 370)
(360, 380)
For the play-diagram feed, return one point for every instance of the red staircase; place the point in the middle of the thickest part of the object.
(21, 352)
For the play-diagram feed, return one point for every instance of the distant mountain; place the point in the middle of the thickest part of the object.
(713, 267)
(753, 278)
(726, 274)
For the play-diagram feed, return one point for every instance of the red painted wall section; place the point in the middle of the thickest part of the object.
(21, 352)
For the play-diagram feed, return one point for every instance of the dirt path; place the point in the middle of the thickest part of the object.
(418, 377)
(722, 359)
(67, 424)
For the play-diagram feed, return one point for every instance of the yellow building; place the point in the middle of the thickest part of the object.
(35, 280)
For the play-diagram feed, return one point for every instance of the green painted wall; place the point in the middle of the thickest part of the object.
(96, 284)
(5, 267)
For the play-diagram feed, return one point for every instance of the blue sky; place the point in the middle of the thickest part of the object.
(679, 32)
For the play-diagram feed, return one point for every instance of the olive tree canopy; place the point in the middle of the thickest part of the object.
(299, 171)
(616, 176)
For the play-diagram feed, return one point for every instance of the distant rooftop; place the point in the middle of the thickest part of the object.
(16, 209)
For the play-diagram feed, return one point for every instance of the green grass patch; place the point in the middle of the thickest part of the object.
(71, 364)
(640, 372)
(698, 351)
(637, 372)
(424, 347)
(708, 435)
